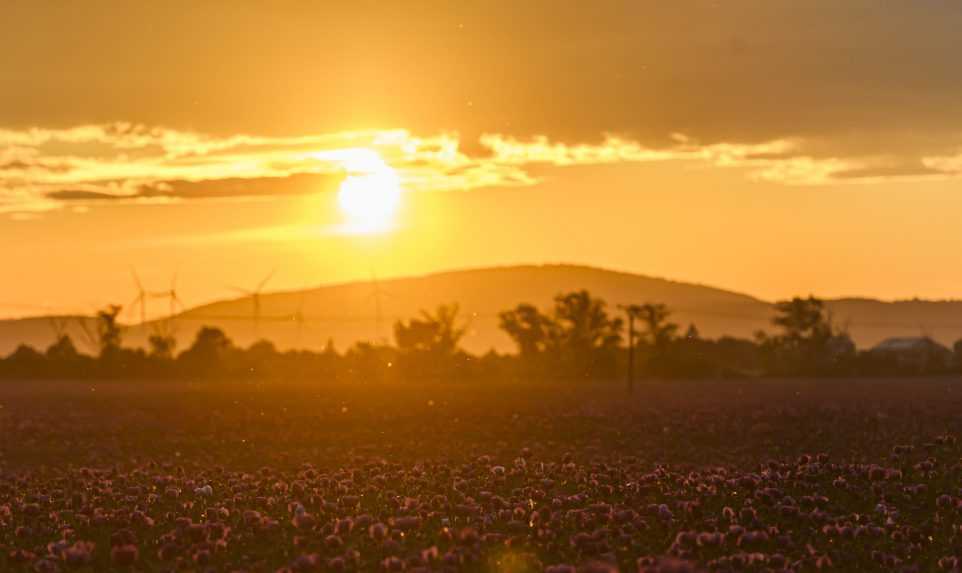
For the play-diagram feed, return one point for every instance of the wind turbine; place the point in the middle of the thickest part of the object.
(59, 326)
(256, 300)
(174, 301)
(633, 311)
(89, 334)
(140, 299)
(299, 318)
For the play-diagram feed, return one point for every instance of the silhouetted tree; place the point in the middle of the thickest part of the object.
(437, 333)
(802, 318)
(25, 362)
(574, 338)
(662, 356)
(668, 355)
(63, 359)
(115, 360)
(208, 354)
(370, 363)
(109, 333)
(428, 346)
(532, 331)
(658, 331)
(578, 339)
(261, 357)
(162, 346)
(734, 357)
(809, 344)
(63, 350)
(584, 324)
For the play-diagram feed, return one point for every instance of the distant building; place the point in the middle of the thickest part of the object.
(920, 354)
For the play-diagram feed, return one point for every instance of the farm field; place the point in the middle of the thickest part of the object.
(681, 476)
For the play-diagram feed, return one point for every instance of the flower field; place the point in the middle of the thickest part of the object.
(778, 475)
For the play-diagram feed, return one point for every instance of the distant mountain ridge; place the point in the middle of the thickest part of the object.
(356, 311)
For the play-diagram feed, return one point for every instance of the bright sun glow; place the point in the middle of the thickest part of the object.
(370, 194)
(370, 200)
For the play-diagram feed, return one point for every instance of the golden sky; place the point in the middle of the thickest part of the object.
(765, 146)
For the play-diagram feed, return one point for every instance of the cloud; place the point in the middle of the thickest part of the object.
(295, 184)
(41, 169)
(798, 93)
(951, 163)
(79, 195)
(894, 170)
(862, 77)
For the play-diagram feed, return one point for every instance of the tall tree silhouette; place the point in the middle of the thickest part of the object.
(658, 331)
(429, 345)
(532, 331)
(437, 333)
(109, 333)
(808, 342)
(209, 353)
(578, 338)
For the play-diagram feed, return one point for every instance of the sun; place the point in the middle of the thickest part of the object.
(370, 201)
(370, 195)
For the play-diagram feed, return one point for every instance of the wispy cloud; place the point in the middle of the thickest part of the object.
(951, 163)
(42, 169)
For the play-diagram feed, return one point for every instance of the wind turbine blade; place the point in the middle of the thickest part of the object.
(140, 285)
(267, 279)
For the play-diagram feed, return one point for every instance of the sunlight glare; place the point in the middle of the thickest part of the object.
(370, 195)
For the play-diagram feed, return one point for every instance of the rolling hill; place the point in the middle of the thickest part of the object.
(346, 313)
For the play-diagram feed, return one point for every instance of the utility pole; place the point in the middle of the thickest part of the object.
(632, 311)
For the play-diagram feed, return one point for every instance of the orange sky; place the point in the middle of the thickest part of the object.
(773, 148)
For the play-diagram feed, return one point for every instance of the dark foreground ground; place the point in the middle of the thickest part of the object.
(728, 476)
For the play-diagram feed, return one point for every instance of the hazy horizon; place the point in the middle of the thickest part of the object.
(158, 310)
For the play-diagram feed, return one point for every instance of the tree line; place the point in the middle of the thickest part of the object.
(578, 337)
